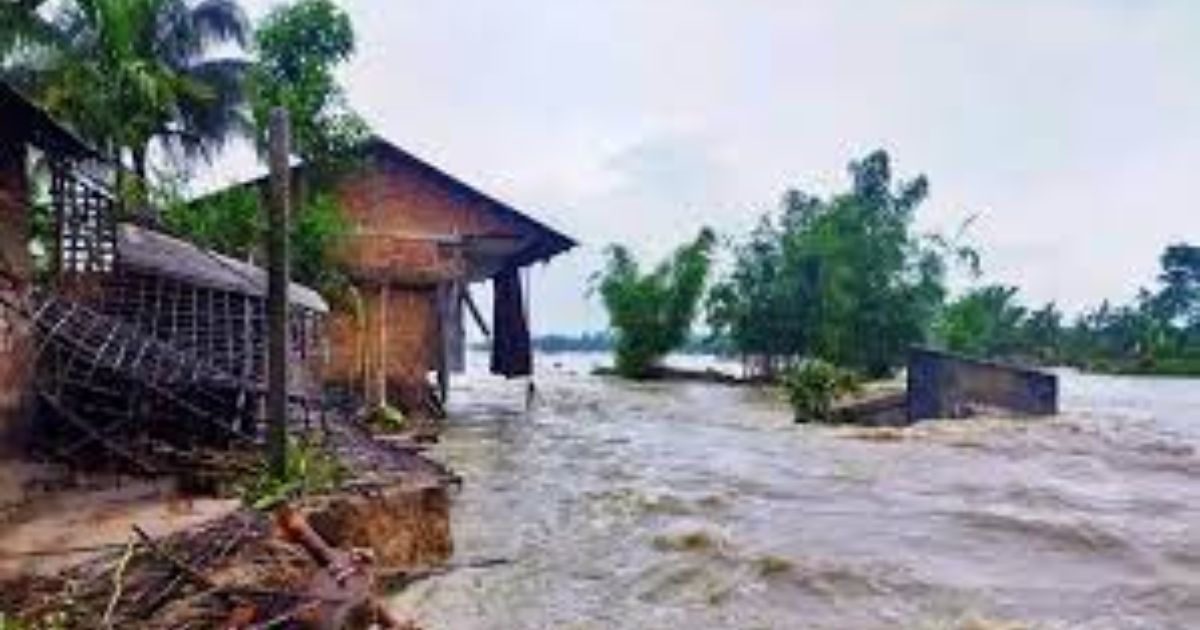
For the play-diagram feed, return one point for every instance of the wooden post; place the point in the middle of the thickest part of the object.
(277, 289)
(16, 270)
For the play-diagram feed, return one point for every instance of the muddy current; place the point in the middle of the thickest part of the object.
(674, 506)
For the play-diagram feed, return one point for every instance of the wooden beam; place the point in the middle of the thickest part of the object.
(475, 314)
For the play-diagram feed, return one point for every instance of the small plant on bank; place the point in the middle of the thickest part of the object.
(814, 386)
(311, 469)
(387, 419)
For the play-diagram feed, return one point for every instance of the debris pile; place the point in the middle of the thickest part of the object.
(243, 571)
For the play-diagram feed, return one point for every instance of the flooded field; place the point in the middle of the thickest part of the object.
(696, 506)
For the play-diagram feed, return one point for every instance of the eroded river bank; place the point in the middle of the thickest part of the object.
(699, 506)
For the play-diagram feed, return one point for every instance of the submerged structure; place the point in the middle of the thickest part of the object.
(947, 385)
(419, 239)
(125, 343)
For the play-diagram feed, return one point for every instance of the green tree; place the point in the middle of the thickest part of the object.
(1042, 335)
(652, 312)
(844, 279)
(1178, 300)
(233, 221)
(130, 74)
(986, 322)
(299, 48)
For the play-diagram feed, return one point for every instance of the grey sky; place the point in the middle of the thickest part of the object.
(1072, 128)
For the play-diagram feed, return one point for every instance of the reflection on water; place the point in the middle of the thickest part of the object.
(696, 506)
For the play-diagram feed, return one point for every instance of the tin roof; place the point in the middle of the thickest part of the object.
(155, 252)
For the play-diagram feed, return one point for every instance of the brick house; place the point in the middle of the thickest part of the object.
(419, 238)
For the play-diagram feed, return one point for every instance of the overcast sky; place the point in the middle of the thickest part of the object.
(1071, 127)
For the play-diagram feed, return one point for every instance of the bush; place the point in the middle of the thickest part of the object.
(310, 469)
(813, 387)
(387, 418)
(651, 312)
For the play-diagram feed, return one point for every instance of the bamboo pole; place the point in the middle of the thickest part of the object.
(277, 286)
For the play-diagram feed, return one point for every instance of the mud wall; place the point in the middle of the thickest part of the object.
(406, 526)
(386, 351)
(16, 270)
(942, 385)
(388, 196)
(406, 239)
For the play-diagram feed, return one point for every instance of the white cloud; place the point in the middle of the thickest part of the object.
(1070, 125)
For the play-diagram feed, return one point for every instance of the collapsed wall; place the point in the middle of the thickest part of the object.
(945, 385)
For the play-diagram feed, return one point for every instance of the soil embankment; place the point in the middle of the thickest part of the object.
(143, 555)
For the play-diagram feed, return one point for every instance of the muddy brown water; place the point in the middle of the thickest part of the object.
(699, 506)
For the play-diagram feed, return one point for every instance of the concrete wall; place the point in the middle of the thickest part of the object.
(942, 385)
(16, 270)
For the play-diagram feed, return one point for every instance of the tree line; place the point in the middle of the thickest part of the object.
(1158, 332)
(847, 280)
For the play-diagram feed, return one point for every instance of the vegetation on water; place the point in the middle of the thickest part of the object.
(651, 312)
(310, 469)
(813, 387)
(845, 279)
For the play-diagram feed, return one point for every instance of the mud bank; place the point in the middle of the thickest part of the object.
(672, 505)
(142, 554)
(240, 568)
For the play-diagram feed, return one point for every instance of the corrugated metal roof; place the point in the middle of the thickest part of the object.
(155, 252)
(544, 242)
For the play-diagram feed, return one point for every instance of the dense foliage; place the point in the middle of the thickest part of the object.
(844, 279)
(1158, 333)
(132, 74)
(299, 47)
(986, 321)
(233, 222)
(652, 312)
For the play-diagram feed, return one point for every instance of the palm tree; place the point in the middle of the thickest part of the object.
(133, 74)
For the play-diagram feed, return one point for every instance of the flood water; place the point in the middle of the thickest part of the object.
(687, 506)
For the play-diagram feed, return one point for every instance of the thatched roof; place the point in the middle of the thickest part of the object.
(154, 252)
